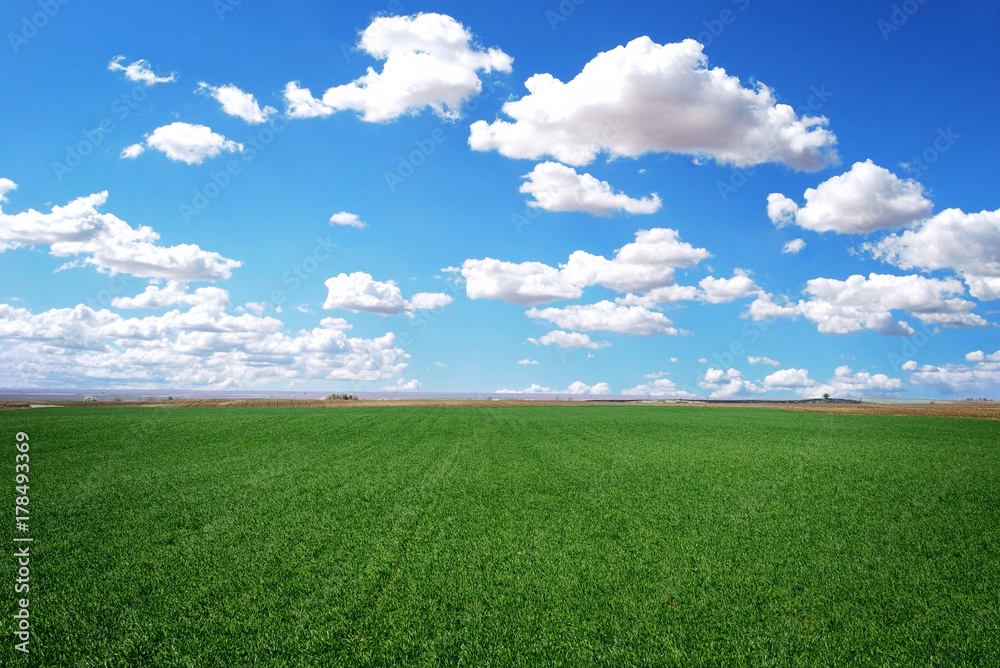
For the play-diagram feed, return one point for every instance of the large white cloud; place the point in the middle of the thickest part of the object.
(863, 199)
(109, 243)
(844, 383)
(556, 187)
(239, 103)
(968, 243)
(843, 307)
(190, 143)
(723, 290)
(360, 292)
(201, 347)
(606, 316)
(646, 97)
(140, 71)
(981, 377)
(728, 384)
(568, 340)
(643, 265)
(429, 61)
(174, 293)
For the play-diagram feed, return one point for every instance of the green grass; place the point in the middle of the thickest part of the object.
(589, 536)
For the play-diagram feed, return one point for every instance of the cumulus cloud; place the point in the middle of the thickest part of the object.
(110, 244)
(762, 360)
(202, 347)
(844, 383)
(528, 362)
(843, 307)
(360, 292)
(556, 187)
(132, 151)
(864, 199)
(661, 387)
(6, 185)
(728, 384)
(646, 97)
(606, 316)
(348, 220)
(174, 293)
(140, 71)
(981, 377)
(968, 243)
(430, 60)
(645, 264)
(568, 340)
(190, 143)
(723, 290)
(576, 387)
(403, 385)
(793, 246)
(236, 102)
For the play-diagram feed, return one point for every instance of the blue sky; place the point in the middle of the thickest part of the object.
(728, 199)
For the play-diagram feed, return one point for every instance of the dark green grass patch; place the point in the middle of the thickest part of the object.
(590, 536)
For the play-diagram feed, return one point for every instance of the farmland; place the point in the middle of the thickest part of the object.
(577, 535)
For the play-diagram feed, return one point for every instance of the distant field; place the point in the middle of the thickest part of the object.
(576, 535)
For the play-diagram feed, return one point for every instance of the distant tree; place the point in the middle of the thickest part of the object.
(826, 396)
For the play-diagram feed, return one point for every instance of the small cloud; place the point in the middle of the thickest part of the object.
(347, 220)
(527, 362)
(763, 360)
(140, 71)
(236, 102)
(304, 308)
(132, 152)
(793, 246)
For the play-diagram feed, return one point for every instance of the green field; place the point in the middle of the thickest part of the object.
(588, 536)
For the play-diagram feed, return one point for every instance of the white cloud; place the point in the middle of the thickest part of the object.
(405, 385)
(982, 377)
(173, 294)
(723, 290)
(578, 387)
(909, 365)
(646, 97)
(645, 264)
(201, 347)
(763, 360)
(568, 340)
(728, 384)
(843, 307)
(864, 199)
(131, 152)
(606, 316)
(109, 243)
(556, 187)
(844, 383)
(348, 220)
(793, 246)
(526, 283)
(6, 185)
(360, 292)
(535, 388)
(190, 143)
(528, 362)
(429, 61)
(968, 243)
(236, 102)
(140, 71)
(661, 387)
